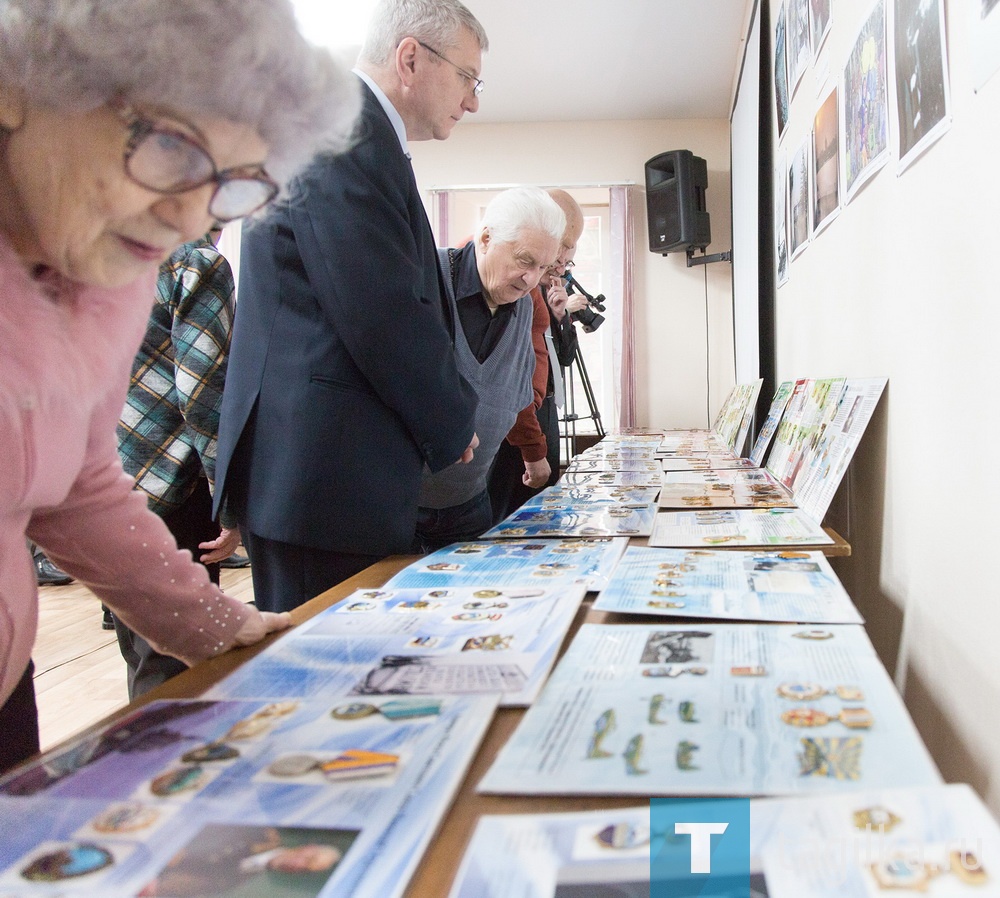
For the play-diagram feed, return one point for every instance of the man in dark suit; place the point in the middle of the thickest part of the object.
(342, 379)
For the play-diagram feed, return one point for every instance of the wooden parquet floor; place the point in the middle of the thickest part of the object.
(79, 672)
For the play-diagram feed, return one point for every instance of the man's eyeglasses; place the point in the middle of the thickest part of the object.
(477, 83)
(168, 161)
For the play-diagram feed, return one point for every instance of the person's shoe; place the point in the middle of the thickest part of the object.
(108, 622)
(235, 561)
(48, 574)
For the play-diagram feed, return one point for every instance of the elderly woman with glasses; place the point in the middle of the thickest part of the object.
(126, 129)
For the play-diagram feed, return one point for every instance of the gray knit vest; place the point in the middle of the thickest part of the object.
(503, 385)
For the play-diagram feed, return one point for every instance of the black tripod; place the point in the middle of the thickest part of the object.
(591, 321)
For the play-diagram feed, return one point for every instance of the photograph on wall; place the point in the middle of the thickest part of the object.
(984, 27)
(865, 107)
(826, 163)
(799, 205)
(780, 73)
(781, 218)
(797, 40)
(819, 23)
(923, 100)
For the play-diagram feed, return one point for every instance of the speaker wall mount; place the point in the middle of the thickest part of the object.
(675, 205)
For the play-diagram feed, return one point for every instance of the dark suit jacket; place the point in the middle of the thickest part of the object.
(342, 380)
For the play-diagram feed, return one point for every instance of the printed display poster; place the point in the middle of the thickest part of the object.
(515, 563)
(934, 841)
(826, 163)
(733, 420)
(549, 855)
(865, 105)
(711, 461)
(833, 444)
(689, 443)
(751, 488)
(585, 463)
(443, 640)
(714, 709)
(597, 494)
(234, 798)
(810, 408)
(774, 415)
(984, 28)
(736, 527)
(923, 98)
(612, 478)
(728, 585)
(799, 205)
(780, 73)
(587, 519)
(925, 840)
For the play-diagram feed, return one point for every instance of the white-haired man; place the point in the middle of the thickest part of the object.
(488, 282)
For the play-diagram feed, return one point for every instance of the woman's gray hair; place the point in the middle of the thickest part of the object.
(242, 60)
(438, 23)
(519, 209)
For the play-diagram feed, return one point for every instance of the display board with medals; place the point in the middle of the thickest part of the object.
(787, 585)
(714, 709)
(926, 840)
(419, 641)
(335, 797)
(497, 563)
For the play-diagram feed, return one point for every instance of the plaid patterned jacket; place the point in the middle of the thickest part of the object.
(168, 428)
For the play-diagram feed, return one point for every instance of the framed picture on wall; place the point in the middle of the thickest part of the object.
(797, 40)
(923, 101)
(780, 73)
(799, 206)
(865, 107)
(984, 20)
(819, 23)
(781, 218)
(826, 162)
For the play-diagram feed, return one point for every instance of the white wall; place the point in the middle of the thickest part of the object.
(670, 313)
(904, 284)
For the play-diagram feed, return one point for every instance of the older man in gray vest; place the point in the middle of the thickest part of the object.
(488, 282)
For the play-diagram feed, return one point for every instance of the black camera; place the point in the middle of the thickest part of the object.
(588, 317)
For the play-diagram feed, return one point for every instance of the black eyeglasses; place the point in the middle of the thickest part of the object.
(168, 161)
(477, 83)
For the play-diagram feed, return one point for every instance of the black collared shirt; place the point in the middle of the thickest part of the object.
(482, 329)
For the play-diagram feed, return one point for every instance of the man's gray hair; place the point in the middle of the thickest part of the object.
(519, 209)
(438, 23)
(241, 60)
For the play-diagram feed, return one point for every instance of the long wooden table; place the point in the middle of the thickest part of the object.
(434, 876)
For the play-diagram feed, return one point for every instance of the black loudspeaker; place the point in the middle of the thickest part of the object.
(675, 202)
